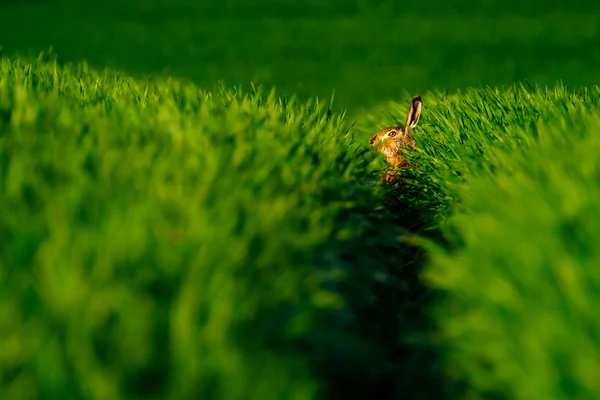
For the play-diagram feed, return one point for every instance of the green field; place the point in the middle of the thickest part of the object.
(186, 210)
(367, 51)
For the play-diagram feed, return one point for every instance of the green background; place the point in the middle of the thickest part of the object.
(367, 51)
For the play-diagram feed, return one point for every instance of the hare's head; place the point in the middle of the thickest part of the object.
(389, 141)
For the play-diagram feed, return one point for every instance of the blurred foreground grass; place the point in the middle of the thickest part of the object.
(162, 241)
(168, 237)
(515, 256)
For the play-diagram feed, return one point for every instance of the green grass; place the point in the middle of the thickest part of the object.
(514, 251)
(170, 237)
(367, 51)
(521, 273)
(161, 241)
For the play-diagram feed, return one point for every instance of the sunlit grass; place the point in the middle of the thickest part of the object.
(159, 240)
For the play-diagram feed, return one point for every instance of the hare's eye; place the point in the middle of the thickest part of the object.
(392, 133)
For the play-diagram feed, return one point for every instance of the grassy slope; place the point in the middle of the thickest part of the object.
(367, 52)
(517, 173)
(523, 284)
(136, 267)
(469, 163)
(160, 240)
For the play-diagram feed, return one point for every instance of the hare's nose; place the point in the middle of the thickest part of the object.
(372, 141)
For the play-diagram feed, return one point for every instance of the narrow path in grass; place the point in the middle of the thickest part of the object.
(391, 313)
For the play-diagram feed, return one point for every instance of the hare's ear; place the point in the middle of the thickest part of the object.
(414, 112)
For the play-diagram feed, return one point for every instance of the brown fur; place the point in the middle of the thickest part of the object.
(390, 141)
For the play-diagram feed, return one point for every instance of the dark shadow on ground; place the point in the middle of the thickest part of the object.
(382, 348)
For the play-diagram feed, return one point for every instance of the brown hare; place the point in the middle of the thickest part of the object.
(391, 141)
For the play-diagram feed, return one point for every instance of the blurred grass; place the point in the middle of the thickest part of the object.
(159, 241)
(162, 241)
(508, 190)
(522, 279)
(166, 240)
(367, 51)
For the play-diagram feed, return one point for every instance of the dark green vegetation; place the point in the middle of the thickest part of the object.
(516, 272)
(171, 238)
(367, 51)
(523, 279)
(160, 241)
(157, 239)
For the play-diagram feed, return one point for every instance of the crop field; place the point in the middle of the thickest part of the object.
(368, 51)
(190, 208)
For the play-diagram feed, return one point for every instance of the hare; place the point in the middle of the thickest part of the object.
(390, 141)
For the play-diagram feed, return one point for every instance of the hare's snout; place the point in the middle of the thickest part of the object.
(373, 140)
